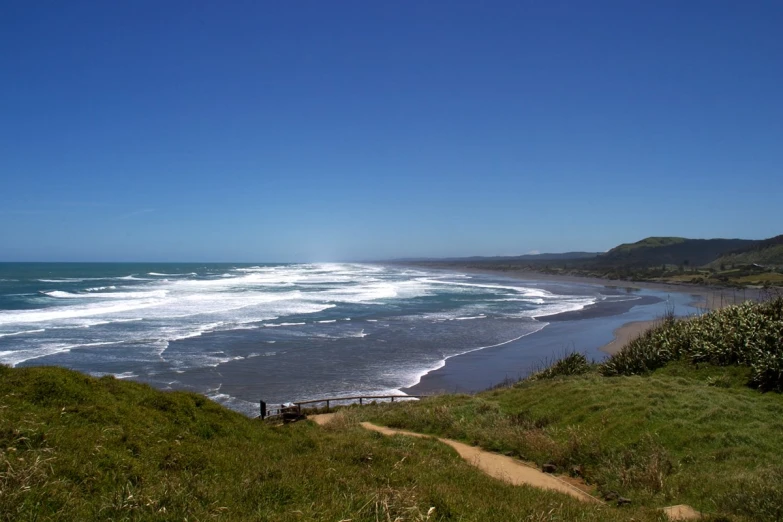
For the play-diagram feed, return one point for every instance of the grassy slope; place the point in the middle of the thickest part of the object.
(654, 251)
(78, 448)
(649, 243)
(770, 253)
(663, 439)
(657, 422)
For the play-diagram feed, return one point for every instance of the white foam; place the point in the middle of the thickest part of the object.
(522, 290)
(327, 321)
(568, 305)
(23, 332)
(75, 279)
(158, 274)
(45, 315)
(15, 357)
(107, 295)
(275, 325)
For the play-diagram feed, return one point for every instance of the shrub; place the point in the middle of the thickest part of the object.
(571, 364)
(750, 334)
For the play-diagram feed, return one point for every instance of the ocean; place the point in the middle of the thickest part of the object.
(239, 333)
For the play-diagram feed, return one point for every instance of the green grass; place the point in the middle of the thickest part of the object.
(74, 447)
(675, 417)
(674, 436)
(766, 278)
(650, 242)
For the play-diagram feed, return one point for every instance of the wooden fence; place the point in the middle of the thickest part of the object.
(294, 409)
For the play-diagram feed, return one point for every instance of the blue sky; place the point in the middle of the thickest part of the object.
(300, 131)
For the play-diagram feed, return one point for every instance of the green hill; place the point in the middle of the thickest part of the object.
(650, 242)
(767, 253)
(656, 251)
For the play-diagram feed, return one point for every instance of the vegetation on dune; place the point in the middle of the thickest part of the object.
(573, 363)
(749, 335)
(692, 428)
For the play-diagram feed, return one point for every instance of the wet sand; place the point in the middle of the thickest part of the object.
(597, 331)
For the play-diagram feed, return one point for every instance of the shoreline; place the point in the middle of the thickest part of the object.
(562, 330)
(707, 297)
(625, 334)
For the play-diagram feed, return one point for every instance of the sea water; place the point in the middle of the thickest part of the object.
(278, 332)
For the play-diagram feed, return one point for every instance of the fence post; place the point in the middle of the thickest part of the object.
(263, 409)
(360, 401)
(392, 398)
(327, 405)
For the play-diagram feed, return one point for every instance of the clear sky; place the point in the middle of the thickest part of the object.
(299, 131)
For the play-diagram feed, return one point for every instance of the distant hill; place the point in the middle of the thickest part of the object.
(491, 259)
(768, 252)
(654, 251)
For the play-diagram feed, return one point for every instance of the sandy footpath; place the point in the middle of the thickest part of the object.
(495, 465)
(511, 470)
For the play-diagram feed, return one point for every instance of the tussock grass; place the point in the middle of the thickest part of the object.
(573, 363)
(750, 334)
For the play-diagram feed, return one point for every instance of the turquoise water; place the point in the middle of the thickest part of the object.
(240, 333)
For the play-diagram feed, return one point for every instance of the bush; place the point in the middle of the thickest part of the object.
(750, 334)
(571, 364)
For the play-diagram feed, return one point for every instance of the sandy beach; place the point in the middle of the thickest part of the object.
(625, 334)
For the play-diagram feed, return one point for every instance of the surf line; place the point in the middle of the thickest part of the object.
(442, 362)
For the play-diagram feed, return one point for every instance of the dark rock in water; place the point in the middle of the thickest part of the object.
(611, 495)
(622, 501)
(549, 468)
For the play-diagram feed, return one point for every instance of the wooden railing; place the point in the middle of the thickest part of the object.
(296, 408)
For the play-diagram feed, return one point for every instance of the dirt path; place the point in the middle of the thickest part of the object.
(498, 466)
(511, 470)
